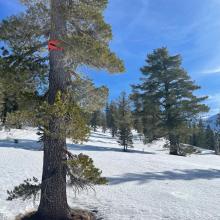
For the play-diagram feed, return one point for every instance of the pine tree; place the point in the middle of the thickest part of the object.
(111, 115)
(210, 138)
(8, 105)
(89, 97)
(200, 135)
(193, 136)
(95, 120)
(217, 143)
(82, 38)
(168, 91)
(138, 118)
(113, 126)
(18, 73)
(146, 118)
(217, 136)
(103, 122)
(124, 120)
(98, 119)
(108, 115)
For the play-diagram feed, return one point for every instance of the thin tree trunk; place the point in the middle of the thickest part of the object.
(53, 203)
(4, 114)
(174, 144)
(217, 147)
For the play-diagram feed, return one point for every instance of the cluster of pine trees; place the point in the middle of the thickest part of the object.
(201, 134)
(116, 118)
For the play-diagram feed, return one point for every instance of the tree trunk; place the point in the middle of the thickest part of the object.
(174, 144)
(217, 149)
(53, 203)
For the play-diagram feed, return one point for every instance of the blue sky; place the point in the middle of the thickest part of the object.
(190, 28)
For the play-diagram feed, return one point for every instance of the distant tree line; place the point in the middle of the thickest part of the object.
(201, 134)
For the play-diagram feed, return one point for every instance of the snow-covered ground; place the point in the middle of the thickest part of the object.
(144, 184)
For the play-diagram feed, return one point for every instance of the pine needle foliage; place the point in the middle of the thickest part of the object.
(87, 39)
(82, 173)
(89, 97)
(19, 119)
(74, 126)
(28, 189)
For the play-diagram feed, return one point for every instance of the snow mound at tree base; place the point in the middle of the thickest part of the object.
(76, 214)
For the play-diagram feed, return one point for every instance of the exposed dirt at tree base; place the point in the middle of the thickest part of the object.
(76, 214)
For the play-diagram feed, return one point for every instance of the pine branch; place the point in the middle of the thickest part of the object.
(82, 173)
(29, 188)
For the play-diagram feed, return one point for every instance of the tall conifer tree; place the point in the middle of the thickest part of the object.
(201, 134)
(210, 138)
(113, 118)
(95, 120)
(124, 121)
(167, 89)
(82, 38)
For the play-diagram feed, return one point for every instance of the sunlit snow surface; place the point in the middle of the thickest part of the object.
(144, 184)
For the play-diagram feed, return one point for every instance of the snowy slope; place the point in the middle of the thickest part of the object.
(144, 184)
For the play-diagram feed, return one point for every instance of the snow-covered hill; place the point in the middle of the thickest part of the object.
(144, 184)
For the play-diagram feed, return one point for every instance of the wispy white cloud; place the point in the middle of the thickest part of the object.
(211, 71)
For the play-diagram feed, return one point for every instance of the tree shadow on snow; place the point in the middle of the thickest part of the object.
(104, 142)
(22, 144)
(36, 146)
(101, 136)
(177, 174)
(77, 147)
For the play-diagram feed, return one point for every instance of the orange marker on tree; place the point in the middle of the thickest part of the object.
(53, 45)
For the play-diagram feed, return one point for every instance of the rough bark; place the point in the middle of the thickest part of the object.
(53, 203)
(217, 149)
(174, 144)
